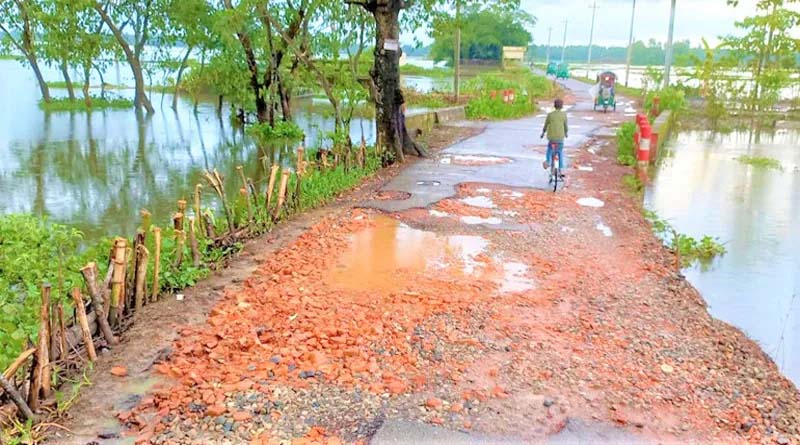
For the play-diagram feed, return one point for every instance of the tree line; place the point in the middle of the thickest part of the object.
(253, 54)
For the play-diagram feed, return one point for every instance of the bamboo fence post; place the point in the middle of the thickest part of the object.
(282, 193)
(197, 190)
(246, 190)
(62, 332)
(301, 165)
(209, 224)
(146, 220)
(89, 273)
(117, 279)
(298, 185)
(138, 243)
(41, 372)
(193, 243)
(180, 238)
(215, 180)
(142, 257)
(24, 408)
(17, 363)
(362, 151)
(83, 323)
(126, 294)
(182, 207)
(156, 264)
(273, 175)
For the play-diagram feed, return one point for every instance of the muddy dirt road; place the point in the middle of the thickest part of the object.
(463, 304)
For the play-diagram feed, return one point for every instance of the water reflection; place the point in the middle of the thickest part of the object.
(96, 170)
(703, 190)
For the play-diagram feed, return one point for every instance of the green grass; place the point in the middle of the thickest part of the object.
(414, 70)
(625, 144)
(528, 88)
(760, 162)
(633, 184)
(79, 104)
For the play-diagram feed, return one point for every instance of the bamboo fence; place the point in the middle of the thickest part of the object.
(103, 309)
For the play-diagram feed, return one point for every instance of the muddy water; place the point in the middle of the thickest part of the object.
(379, 254)
(702, 190)
(95, 171)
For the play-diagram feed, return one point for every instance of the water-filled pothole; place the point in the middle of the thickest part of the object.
(429, 183)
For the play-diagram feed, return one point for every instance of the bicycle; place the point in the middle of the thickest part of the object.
(555, 172)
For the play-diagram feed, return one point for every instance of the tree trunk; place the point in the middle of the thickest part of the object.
(65, 74)
(45, 90)
(178, 78)
(87, 71)
(386, 76)
(141, 99)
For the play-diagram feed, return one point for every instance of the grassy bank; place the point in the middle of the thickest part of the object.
(414, 70)
(80, 104)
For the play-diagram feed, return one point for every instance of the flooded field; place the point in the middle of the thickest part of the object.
(703, 190)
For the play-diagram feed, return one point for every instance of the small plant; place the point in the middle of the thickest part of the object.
(625, 145)
(760, 162)
(689, 250)
(633, 184)
(264, 133)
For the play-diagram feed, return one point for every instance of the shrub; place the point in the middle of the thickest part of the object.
(264, 132)
(625, 144)
(527, 87)
(80, 104)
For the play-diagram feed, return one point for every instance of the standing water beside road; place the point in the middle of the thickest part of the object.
(702, 189)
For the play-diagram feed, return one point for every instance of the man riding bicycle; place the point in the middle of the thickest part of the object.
(555, 126)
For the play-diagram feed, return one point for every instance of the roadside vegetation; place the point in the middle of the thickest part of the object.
(690, 251)
(625, 144)
(487, 94)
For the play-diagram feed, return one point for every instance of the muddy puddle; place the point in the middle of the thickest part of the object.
(378, 255)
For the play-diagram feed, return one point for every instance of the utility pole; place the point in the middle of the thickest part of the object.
(564, 44)
(591, 38)
(549, 35)
(630, 46)
(457, 55)
(668, 61)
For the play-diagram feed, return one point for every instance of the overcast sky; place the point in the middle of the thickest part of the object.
(694, 19)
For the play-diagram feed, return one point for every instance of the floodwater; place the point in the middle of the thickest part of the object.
(702, 190)
(96, 171)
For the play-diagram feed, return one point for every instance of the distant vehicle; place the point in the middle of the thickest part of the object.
(563, 71)
(606, 97)
(552, 69)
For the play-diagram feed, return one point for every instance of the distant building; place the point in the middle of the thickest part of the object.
(514, 53)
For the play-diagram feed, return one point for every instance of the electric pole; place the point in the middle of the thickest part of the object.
(591, 38)
(668, 61)
(549, 35)
(630, 46)
(457, 55)
(564, 44)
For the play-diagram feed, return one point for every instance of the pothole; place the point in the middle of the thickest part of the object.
(392, 195)
(474, 160)
(590, 202)
(429, 183)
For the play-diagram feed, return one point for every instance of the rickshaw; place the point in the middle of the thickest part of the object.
(563, 71)
(606, 98)
(552, 69)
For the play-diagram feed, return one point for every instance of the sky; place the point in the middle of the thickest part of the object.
(694, 19)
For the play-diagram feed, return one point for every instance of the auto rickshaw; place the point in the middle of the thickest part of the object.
(552, 69)
(563, 71)
(606, 98)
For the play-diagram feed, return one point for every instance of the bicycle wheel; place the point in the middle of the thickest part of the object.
(554, 174)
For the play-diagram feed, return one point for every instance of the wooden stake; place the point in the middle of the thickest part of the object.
(156, 264)
(215, 180)
(41, 372)
(282, 192)
(273, 176)
(24, 408)
(142, 256)
(17, 363)
(193, 243)
(362, 151)
(80, 310)
(180, 244)
(301, 164)
(246, 190)
(197, 190)
(146, 220)
(209, 223)
(117, 280)
(62, 332)
(182, 205)
(89, 273)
